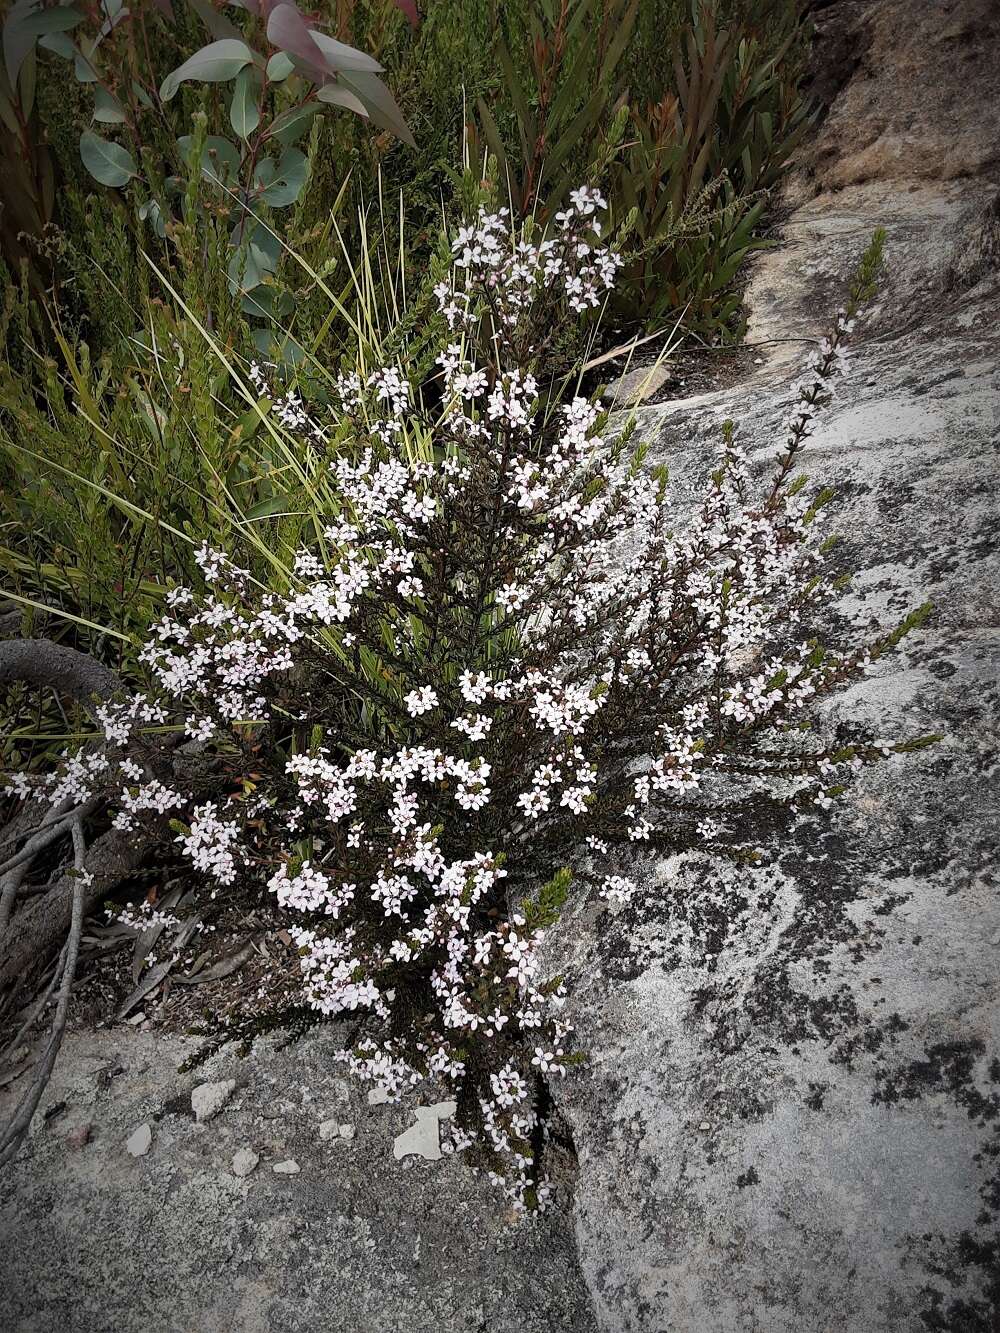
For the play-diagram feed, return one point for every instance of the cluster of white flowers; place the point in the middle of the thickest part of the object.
(151, 796)
(212, 843)
(515, 271)
(144, 916)
(617, 888)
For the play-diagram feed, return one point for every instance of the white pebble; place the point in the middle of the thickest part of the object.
(208, 1099)
(245, 1162)
(140, 1141)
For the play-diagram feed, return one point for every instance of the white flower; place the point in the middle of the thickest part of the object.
(420, 701)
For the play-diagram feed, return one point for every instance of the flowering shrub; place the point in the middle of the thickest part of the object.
(503, 657)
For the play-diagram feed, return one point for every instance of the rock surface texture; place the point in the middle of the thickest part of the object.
(197, 1237)
(790, 1122)
(790, 1119)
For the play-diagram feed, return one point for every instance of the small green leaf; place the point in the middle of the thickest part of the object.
(107, 109)
(218, 62)
(151, 210)
(244, 112)
(107, 162)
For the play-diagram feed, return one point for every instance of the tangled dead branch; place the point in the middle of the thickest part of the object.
(41, 920)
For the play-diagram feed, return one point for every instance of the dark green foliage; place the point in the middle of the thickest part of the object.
(686, 161)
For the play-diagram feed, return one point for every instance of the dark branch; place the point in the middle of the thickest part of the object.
(42, 662)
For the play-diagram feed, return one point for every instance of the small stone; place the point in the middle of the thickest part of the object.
(329, 1129)
(704, 1126)
(80, 1137)
(136, 1019)
(347, 1131)
(286, 1168)
(378, 1096)
(637, 385)
(424, 1139)
(245, 1162)
(140, 1141)
(208, 1099)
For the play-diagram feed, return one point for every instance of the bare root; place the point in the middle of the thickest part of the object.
(40, 921)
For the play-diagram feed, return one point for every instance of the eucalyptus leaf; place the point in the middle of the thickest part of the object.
(151, 210)
(261, 259)
(28, 80)
(144, 942)
(334, 94)
(268, 302)
(45, 21)
(149, 982)
(224, 968)
(340, 57)
(107, 162)
(217, 23)
(293, 123)
(265, 240)
(279, 67)
(289, 351)
(220, 158)
(288, 31)
(7, 115)
(283, 180)
(116, 13)
(17, 41)
(244, 111)
(379, 103)
(84, 69)
(263, 340)
(218, 62)
(107, 109)
(59, 44)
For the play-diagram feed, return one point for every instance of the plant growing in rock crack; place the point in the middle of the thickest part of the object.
(502, 659)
